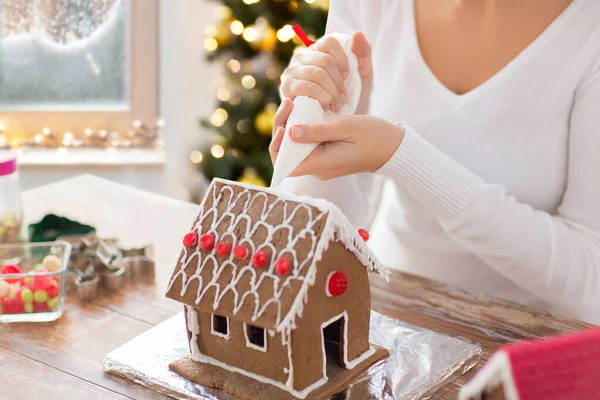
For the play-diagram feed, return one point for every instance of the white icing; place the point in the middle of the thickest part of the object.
(225, 336)
(194, 328)
(252, 345)
(348, 364)
(497, 371)
(327, 293)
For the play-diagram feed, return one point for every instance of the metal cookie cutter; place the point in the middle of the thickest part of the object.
(113, 279)
(86, 284)
(139, 263)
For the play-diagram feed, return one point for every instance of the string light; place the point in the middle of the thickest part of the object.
(236, 27)
(219, 117)
(249, 34)
(1, 126)
(286, 33)
(217, 151)
(309, 1)
(251, 1)
(196, 157)
(144, 137)
(248, 81)
(67, 139)
(223, 94)
(211, 44)
(234, 65)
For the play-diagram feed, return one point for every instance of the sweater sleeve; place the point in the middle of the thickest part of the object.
(556, 257)
(358, 196)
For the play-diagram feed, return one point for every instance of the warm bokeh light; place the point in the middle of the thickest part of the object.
(211, 44)
(217, 151)
(234, 65)
(248, 81)
(249, 34)
(196, 157)
(236, 27)
(223, 94)
(286, 33)
(219, 117)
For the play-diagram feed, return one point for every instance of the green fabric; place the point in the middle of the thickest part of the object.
(52, 226)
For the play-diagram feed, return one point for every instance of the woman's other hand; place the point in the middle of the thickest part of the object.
(320, 73)
(348, 145)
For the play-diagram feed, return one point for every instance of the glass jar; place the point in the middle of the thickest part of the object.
(12, 227)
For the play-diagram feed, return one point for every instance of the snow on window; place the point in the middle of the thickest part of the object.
(64, 54)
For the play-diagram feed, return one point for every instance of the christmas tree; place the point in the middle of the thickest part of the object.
(255, 40)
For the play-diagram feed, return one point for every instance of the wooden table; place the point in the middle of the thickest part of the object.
(62, 359)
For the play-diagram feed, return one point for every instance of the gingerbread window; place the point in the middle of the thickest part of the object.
(220, 326)
(256, 338)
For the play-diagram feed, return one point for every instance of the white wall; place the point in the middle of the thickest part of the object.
(187, 93)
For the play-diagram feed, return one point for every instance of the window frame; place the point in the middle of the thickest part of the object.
(251, 345)
(217, 333)
(143, 91)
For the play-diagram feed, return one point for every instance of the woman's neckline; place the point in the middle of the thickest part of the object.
(502, 74)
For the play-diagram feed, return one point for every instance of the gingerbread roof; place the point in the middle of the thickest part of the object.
(278, 224)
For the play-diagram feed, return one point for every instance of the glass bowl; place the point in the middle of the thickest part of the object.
(32, 281)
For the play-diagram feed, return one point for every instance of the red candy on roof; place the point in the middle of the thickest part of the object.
(240, 252)
(259, 259)
(222, 248)
(363, 234)
(207, 241)
(190, 239)
(283, 266)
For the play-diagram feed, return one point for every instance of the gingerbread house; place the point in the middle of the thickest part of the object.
(276, 295)
(563, 367)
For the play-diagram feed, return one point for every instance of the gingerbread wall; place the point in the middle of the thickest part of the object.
(306, 338)
(235, 352)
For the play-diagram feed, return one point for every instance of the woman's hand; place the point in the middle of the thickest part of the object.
(320, 73)
(348, 145)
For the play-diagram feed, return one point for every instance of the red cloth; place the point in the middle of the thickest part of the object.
(565, 367)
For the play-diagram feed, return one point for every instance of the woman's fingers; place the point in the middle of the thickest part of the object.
(292, 87)
(315, 75)
(362, 48)
(333, 47)
(282, 114)
(276, 143)
(333, 131)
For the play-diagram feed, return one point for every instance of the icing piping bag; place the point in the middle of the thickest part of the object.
(308, 110)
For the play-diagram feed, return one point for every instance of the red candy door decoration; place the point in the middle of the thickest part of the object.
(222, 248)
(190, 239)
(337, 284)
(207, 241)
(259, 259)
